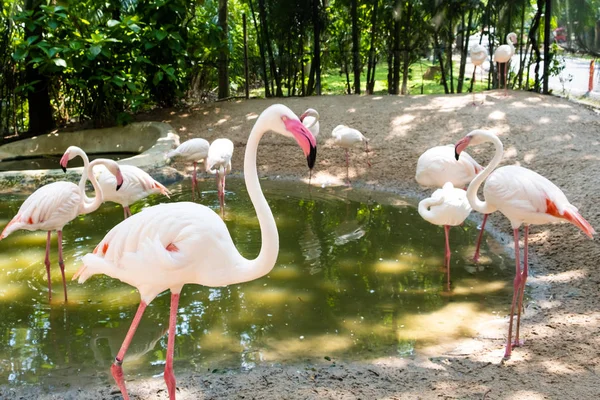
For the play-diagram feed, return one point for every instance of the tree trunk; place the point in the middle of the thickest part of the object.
(449, 43)
(314, 80)
(245, 33)
(40, 109)
(465, 50)
(407, 47)
(261, 47)
(547, 55)
(440, 56)
(371, 62)
(355, 46)
(223, 51)
(533, 32)
(521, 52)
(396, 74)
(262, 12)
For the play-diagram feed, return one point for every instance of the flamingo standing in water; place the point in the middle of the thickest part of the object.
(503, 54)
(195, 150)
(168, 245)
(524, 197)
(56, 204)
(438, 165)
(219, 163)
(478, 55)
(447, 206)
(346, 137)
(137, 184)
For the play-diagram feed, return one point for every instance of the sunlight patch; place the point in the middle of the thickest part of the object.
(497, 115)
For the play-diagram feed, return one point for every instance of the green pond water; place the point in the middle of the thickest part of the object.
(52, 162)
(355, 280)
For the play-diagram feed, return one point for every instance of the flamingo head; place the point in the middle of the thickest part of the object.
(512, 37)
(311, 112)
(70, 153)
(461, 145)
(288, 124)
(474, 137)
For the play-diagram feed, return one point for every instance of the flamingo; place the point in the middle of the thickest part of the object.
(347, 137)
(310, 119)
(437, 165)
(195, 150)
(447, 206)
(137, 184)
(478, 55)
(219, 162)
(503, 54)
(54, 205)
(168, 245)
(524, 197)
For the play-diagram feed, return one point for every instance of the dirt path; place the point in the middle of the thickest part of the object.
(557, 138)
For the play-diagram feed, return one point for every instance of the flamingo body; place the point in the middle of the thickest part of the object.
(137, 184)
(446, 206)
(503, 54)
(169, 245)
(478, 54)
(191, 150)
(346, 137)
(219, 162)
(438, 165)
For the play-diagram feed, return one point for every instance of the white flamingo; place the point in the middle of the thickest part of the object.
(310, 119)
(219, 163)
(503, 54)
(194, 150)
(479, 55)
(56, 204)
(446, 207)
(438, 165)
(346, 137)
(168, 245)
(137, 184)
(524, 197)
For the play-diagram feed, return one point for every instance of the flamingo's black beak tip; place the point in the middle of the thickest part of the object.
(64, 169)
(312, 157)
(119, 186)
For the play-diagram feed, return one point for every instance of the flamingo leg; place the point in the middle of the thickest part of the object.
(480, 238)
(169, 374)
(506, 78)
(347, 168)
(516, 289)
(116, 370)
(127, 211)
(194, 180)
(61, 263)
(222, 195)
(47, 262)
(474, 81)
(517, 343)
(448, 254)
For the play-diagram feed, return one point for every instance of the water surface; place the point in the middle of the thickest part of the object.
(355, 279)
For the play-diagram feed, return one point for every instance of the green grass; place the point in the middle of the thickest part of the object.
(334, 83)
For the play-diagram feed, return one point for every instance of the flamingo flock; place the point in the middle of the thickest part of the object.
(167, 246)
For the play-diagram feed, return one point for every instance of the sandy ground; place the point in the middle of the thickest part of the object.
(561, 325)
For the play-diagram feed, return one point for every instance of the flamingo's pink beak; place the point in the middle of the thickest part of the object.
(305, 139)
(119, 177)
(461, 145)
(64, 161)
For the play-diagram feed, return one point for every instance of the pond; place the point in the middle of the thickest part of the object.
(357, 278)
(52, 162)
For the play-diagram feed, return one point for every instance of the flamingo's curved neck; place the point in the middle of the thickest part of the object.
(89, 205)
(510, 44)
(483, 206)
(424, 207)
(269, 250)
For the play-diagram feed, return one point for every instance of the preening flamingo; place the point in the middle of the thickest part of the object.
(447, 206)
(137, 184)
(503, 54)
(438, 165)
(219, 163)
(346, 137)
(478, 56)
(168, 245)
(310, 119)
(195, 150)
(56, 204)
(524, 197)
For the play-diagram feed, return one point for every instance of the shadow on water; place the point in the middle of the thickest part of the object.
(354, 280)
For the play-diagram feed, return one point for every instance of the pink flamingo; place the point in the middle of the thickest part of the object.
(346, 138)
(195, 150)
(56, 204)
(137, 184)
(478, 55)
(503, 54)
(448, 207)
(219, 163)
(437, 165)
(168, 245)
(310, 119)
(524, 197)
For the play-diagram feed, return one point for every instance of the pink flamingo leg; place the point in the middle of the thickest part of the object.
(506, 78)
(448, 254)
(480, 238)
(194, 180)
(518, 343)
(474, 80)
(61, 263)
(127, 212)
(116, 370)
(516, 289)
(47, 262)
(169, 374)
(221, 185)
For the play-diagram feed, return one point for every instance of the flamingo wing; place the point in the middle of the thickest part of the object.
(193, 149)
(438, 165)
(137, 184)
(220, 153)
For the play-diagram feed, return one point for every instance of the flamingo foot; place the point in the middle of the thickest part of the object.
(117, 372)
(518, 343)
